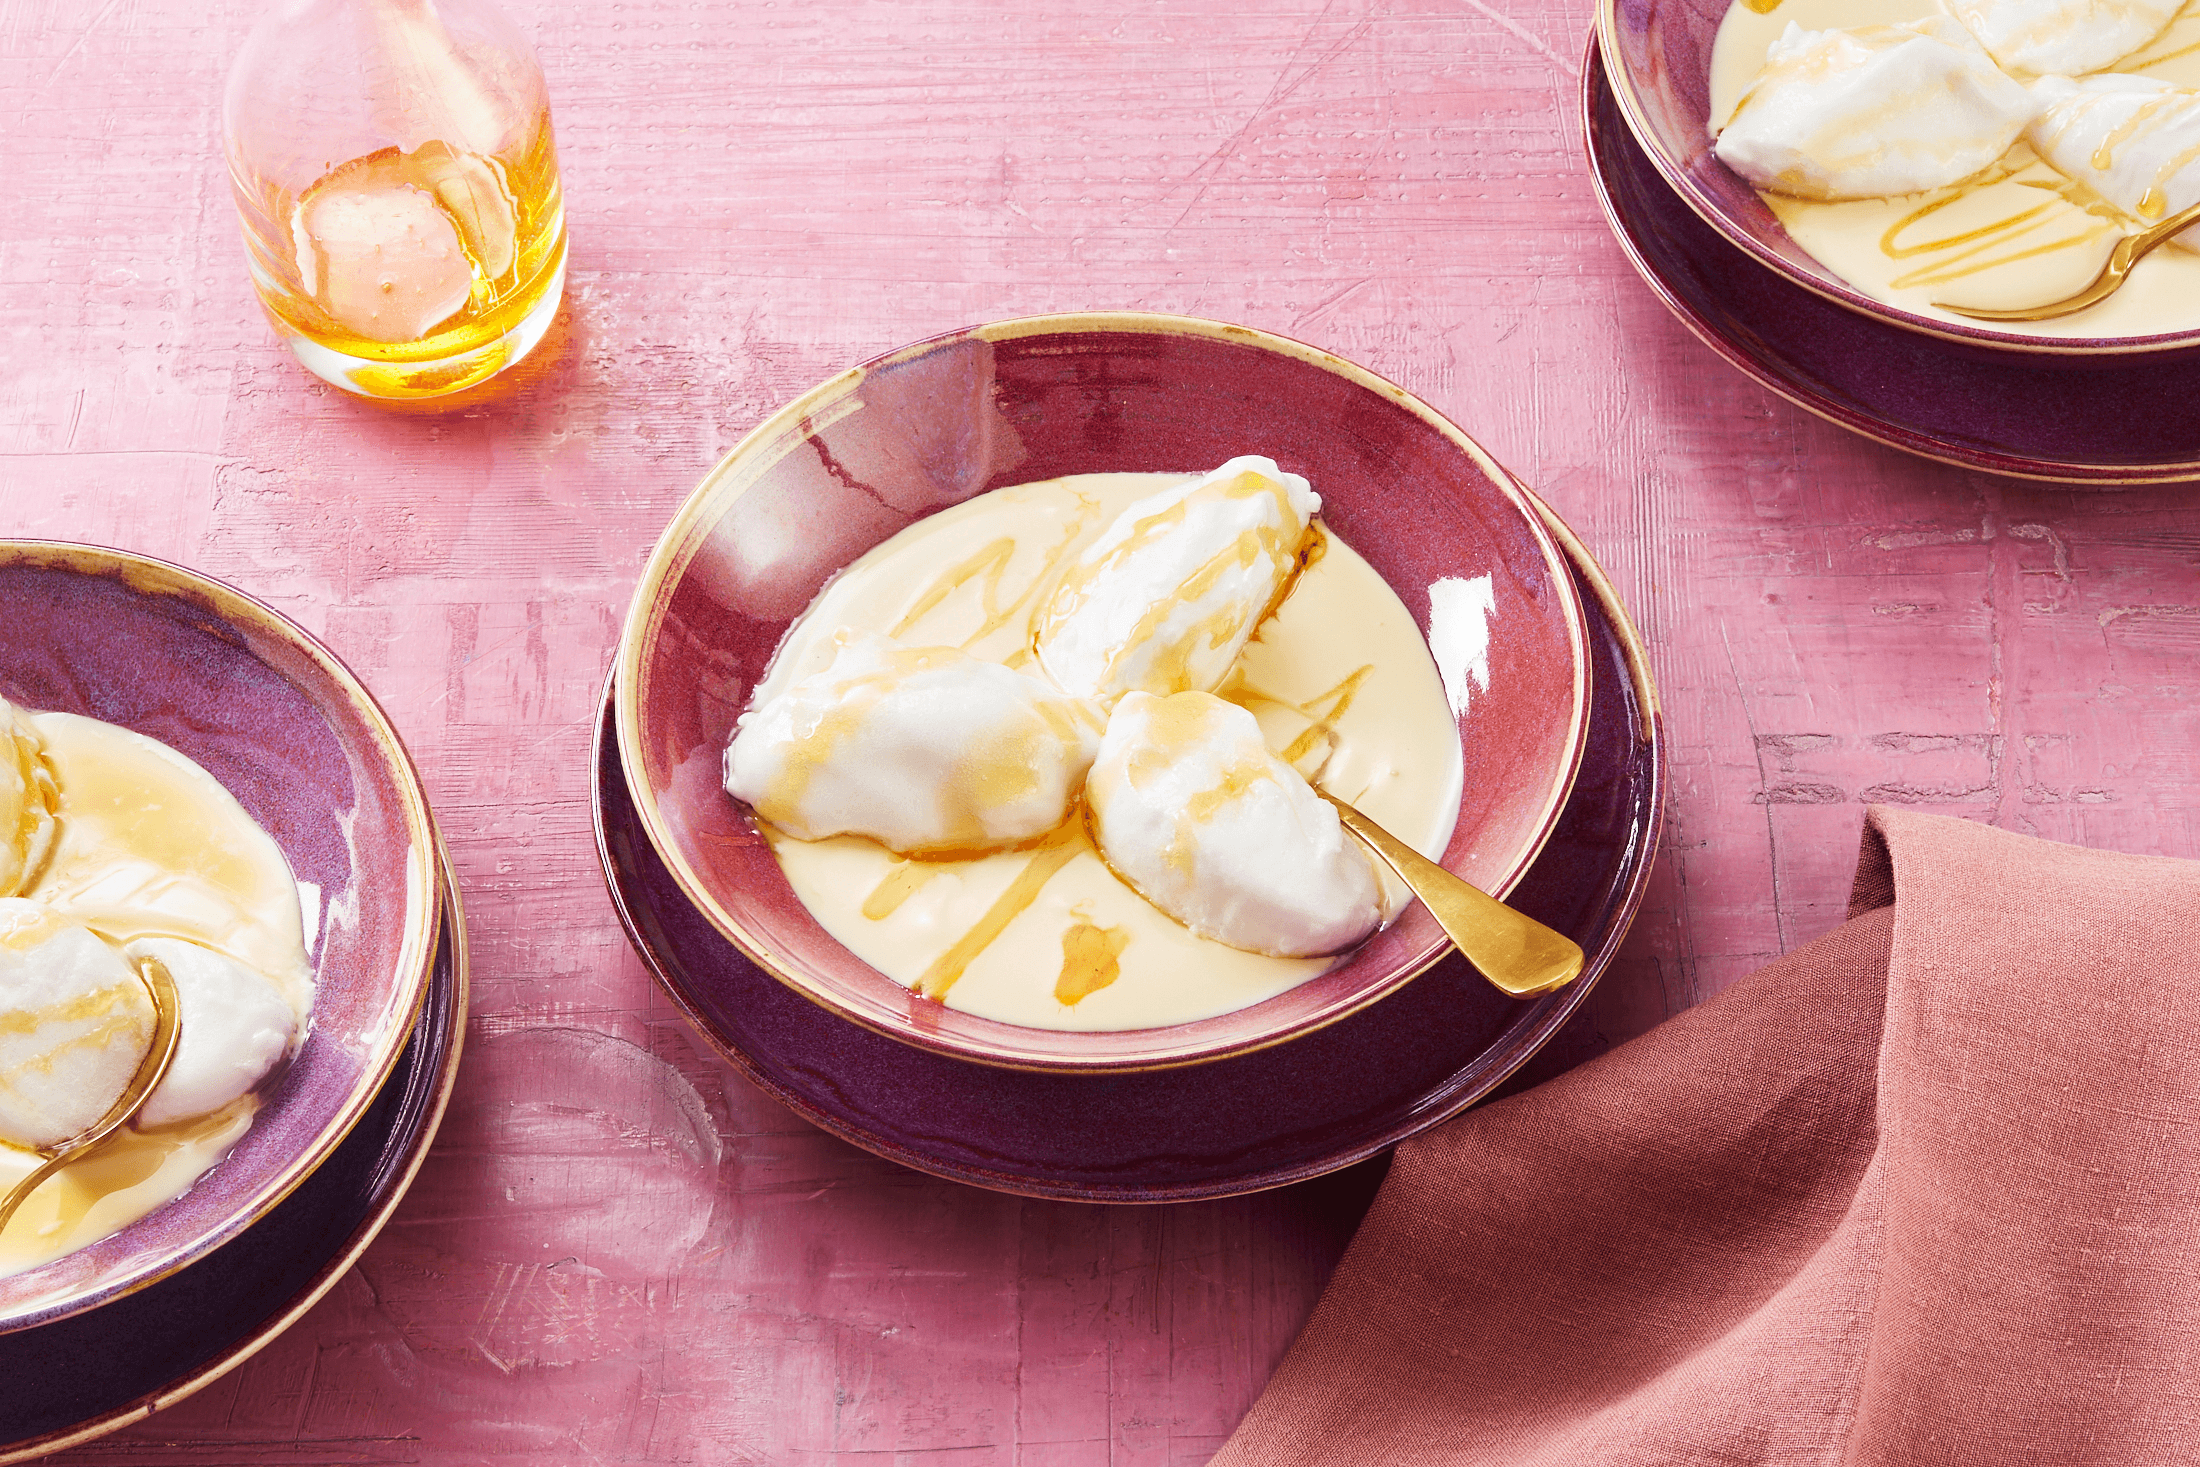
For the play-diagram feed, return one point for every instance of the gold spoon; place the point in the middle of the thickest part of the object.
(1511, 949)
(2128, 252)
(150, 1071)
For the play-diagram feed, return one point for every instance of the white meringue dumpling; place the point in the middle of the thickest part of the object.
(235, 1025)
(2102, 154)
(1311, 646)
(2132, 140)
(2062, 37)
(27, 801)
(1190, 806)
(1165, 599)
(136, 855)
(924, 750)
(75, 1022)
(1873, 111)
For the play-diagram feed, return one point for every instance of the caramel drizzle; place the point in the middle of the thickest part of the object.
(2173, 167)
(1323, 712)
(2153, 200)
(81, 1009)
(112, 1027)
(2104, 156)
(1091, 958)
(46, 1225)
(1061, 848)
(1988, 246)
(2173, 36)
(903, 882)
(1324, 725)
(992, 561)
(1238, 780)
(1247, 549)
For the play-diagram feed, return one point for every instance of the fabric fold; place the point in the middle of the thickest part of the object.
(1923, 1191)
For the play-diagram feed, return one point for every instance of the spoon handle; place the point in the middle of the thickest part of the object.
(167, 1029)
(1515, 952)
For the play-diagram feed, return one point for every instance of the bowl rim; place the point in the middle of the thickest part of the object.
(678, 545)
(1708, 208)
(146, 574)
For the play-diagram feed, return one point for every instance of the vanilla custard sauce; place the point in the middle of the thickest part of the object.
(2019, 234)
(150, 845)
(1047, 936)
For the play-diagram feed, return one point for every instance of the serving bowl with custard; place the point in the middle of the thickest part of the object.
(1910, 160)
(187, 780)
(1128, 587)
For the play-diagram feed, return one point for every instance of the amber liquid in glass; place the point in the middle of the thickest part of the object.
(413, 274)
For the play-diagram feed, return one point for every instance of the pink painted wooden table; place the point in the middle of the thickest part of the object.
(619, 1252)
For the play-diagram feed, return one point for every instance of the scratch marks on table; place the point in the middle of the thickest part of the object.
(2182, 618)
(1563, 62)
(1280, 91)
(608, 1154)
(1330, 302)
(2060, 570)
(1757, 747)
(623, 1253)
(77, 47)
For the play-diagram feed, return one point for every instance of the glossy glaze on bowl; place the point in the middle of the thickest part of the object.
(1243, 1123)
(1657, 56)
(279, 721)
(882, 446)
(2090, 420)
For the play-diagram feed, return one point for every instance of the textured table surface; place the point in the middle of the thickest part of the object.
(619, 1252)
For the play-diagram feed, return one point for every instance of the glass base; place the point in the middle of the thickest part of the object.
(413, 380)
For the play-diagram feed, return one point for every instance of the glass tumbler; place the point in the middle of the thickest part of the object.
(398, 185)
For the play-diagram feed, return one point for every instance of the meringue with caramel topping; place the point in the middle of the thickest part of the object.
(1877, 110)
(27, 800)
(922, 749)
(136, 855)
(2062, 37)
(236, 1027)
(1325, 663)
(75, 1021)
(1163, 601)
(1191, 807)
(2101, 157)
(2130, 139)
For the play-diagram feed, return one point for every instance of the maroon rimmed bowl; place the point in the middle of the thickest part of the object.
(885, 444)
(289, 731)
(1657, 54)
(2120, 421)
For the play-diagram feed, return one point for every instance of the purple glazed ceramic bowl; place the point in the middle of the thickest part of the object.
(1657, 54)
(872, 451)
(279, 721)
(2100, 420)
(1265, 1118)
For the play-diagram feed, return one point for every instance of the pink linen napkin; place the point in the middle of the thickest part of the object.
(1926, 1191)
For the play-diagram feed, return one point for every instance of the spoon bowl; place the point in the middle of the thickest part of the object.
(151, 1070)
